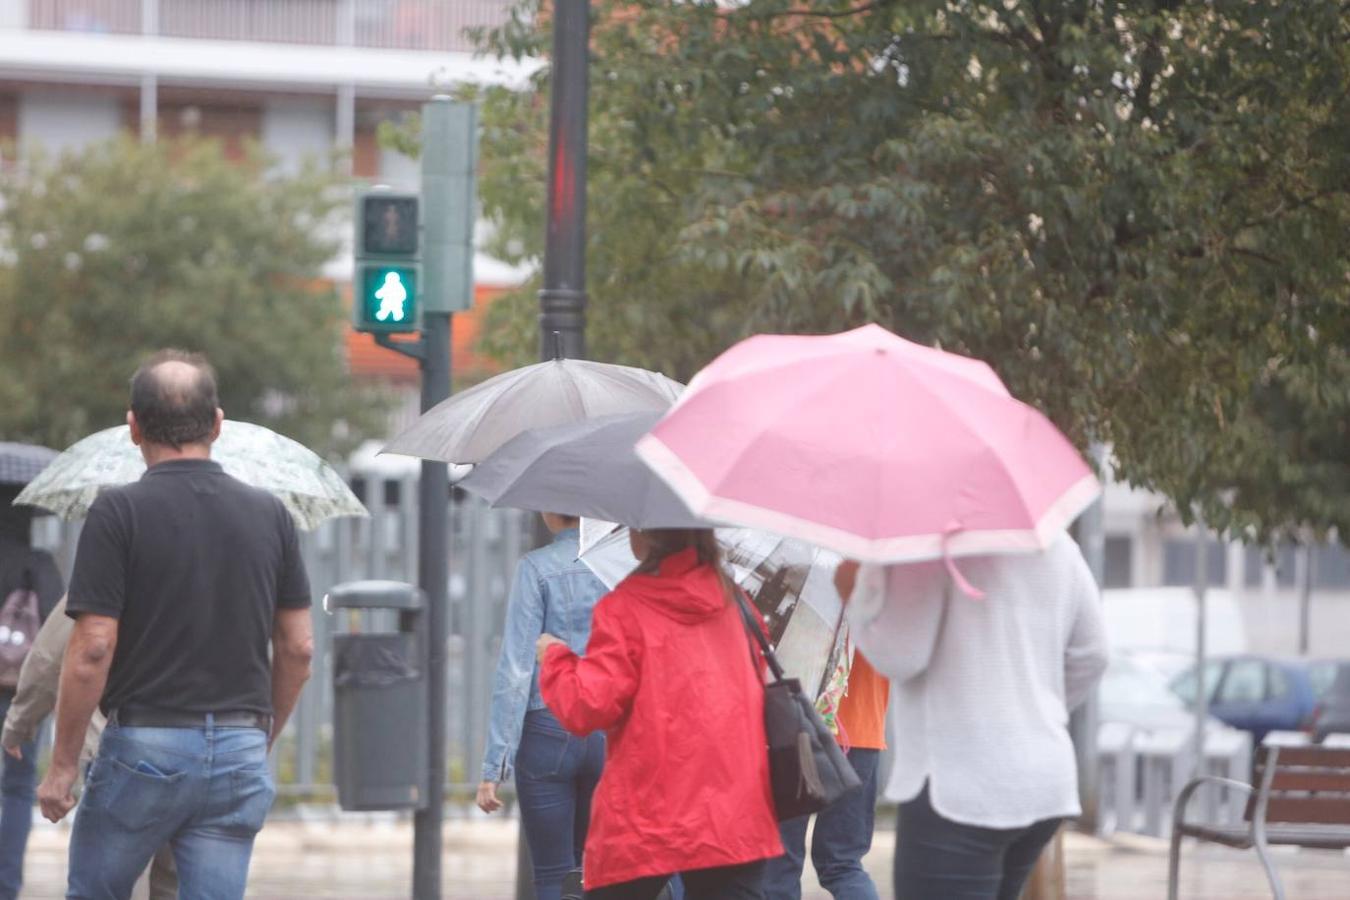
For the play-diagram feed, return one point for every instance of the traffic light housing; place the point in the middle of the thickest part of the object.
(385, 280)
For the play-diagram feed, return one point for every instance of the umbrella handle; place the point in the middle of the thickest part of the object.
(966, 587)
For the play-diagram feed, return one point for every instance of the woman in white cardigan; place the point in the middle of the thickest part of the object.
(980, 696)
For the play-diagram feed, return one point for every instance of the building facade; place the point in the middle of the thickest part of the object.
(300, 78)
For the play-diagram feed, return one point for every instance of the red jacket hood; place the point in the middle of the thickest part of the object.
(684, 590)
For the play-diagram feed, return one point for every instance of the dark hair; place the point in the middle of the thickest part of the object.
(171, 410)
(669, 541)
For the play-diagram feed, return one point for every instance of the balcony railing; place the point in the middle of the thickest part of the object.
(432, 25)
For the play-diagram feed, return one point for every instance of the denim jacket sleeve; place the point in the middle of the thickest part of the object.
(515, 672)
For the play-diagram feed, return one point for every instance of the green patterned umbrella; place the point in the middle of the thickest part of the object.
(309, 487)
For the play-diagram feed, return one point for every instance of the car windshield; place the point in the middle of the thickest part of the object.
(1126, 683)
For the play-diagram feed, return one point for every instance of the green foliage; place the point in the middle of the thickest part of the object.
(119, 250)
(1136, 211)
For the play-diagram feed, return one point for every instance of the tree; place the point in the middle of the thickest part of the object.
(124, 248)
(1136, 211)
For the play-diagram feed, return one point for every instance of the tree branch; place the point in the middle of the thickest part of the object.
(1257, 254)
(819, 14)
(1284, 209)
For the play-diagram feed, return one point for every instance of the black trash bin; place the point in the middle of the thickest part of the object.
(379, 702)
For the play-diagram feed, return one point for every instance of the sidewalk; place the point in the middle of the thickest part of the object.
(362, 860)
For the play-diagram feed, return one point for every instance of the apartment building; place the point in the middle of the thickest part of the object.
(301, 77)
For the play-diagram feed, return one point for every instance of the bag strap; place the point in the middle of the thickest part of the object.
(756, 635)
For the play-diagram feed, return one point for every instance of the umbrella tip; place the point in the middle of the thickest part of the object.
(557, 345)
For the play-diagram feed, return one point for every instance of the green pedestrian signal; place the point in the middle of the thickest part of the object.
(385, 283)
(387, 298)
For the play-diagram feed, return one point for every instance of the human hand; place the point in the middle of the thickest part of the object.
(845, 576)
(16, 751)
(487, 797)
(55, 795)
(541, 646)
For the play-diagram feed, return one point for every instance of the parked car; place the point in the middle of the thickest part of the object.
(1258, 694)
(1134, 693)
(1332, 714)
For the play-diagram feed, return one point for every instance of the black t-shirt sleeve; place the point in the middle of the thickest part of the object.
(47, 582)
(99, 582)
(292, 582)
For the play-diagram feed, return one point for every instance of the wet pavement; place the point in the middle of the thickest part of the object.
(365, 859)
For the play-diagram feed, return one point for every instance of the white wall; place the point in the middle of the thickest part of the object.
(399, 171)
(13, 15)
(294, 128)
(67, 120)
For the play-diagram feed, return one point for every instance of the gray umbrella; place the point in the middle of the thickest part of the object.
(583, 469)
(21, 463)
(471, 425)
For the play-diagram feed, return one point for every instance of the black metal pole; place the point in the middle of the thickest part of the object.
(433, 577)
(562, 301)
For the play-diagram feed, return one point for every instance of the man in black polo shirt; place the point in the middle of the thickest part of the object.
(181, 582)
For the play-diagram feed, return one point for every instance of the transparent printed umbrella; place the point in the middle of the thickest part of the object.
(790, 582)
(309, 487)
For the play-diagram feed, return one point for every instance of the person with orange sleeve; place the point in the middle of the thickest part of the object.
(668, 675)
(843, 833)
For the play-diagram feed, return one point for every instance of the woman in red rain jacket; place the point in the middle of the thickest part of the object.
(669, 676)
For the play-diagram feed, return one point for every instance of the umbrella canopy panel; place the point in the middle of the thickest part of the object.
(871, 445)
(21, 463)
(473, 424)
(790, 582)
(309, 487)
(585, 468)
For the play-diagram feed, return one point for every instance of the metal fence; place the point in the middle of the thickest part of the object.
(484, 546)
(437, 25)
(1142, 772)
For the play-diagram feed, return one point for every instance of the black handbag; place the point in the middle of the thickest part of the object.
(807, 770)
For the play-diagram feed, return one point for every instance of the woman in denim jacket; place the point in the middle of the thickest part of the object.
(555, 773)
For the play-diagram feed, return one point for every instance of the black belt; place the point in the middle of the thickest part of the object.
(154, 718)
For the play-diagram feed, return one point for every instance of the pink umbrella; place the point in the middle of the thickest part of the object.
(871, 445)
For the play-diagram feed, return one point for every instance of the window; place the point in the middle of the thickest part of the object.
(1245, 682)
(1184, 685)
(1117, 553)
(1323, 674)
(1179, 562)
(1278, 686)
(1331, 566)
(1286, 566)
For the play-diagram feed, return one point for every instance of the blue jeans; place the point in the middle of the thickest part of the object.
(204, 791)
(18, 787)
(938, 859)
(842, 838)
(556, 773)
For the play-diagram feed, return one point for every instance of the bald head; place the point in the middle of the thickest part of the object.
(173, 399)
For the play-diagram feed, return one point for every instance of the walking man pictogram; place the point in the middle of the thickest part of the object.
(392, 295)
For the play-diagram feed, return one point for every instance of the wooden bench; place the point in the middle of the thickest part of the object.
(1301, 798)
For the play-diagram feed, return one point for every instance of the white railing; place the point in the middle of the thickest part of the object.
(431, 25)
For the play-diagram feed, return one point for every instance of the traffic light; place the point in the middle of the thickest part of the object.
(385, 277)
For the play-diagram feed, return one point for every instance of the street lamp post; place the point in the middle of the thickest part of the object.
(562, 300)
